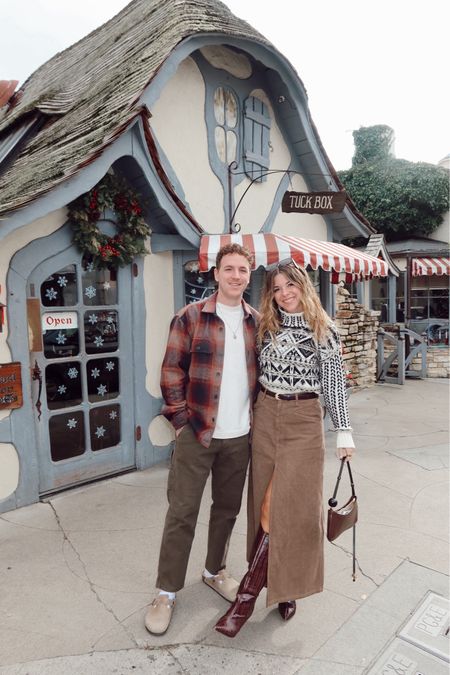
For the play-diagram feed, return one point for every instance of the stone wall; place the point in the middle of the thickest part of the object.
(358, 329)
(438, 362)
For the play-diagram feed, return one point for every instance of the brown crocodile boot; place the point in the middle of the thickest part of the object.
(250, 587)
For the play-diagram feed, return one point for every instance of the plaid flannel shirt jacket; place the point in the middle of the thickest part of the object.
(191, 372)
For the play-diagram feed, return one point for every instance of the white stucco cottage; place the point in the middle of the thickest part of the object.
(191, 106)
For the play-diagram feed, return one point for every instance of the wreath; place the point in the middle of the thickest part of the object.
(100, 250)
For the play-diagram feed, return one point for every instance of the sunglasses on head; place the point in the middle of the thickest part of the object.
(287, 262)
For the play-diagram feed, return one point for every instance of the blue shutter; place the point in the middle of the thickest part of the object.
(256, 138)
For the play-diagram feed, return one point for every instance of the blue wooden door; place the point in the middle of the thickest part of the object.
(84, 408)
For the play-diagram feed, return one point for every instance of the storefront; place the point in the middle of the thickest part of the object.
(86, 342)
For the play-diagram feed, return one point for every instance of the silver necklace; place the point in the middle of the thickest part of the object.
(233, 330)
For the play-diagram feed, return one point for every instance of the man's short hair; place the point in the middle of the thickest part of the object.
(234, 248)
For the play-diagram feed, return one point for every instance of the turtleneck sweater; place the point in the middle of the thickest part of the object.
(293, 362)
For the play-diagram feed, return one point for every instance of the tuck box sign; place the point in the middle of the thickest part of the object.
(313, 202)
(10, 386)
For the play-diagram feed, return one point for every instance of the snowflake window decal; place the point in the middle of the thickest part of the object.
(98, 341)
(72, 423)
(62, 389)
(106, 285)
(90, 292)
(61, 338)
(90, 266)
(95, 373)
(72, 373)
(101, 390)
(62, 281)
(113, 415)
(109, 365)
(93, 318)
(100, 432)
(51, 294)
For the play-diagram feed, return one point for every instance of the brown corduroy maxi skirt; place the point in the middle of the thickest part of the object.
(288, 444)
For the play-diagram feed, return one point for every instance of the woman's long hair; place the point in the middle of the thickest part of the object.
(315, 315)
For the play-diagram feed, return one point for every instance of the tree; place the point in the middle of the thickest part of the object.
(399, 198)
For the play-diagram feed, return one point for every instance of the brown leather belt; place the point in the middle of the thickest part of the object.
(289, 397)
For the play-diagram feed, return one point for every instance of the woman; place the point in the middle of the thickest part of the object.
(299, 355)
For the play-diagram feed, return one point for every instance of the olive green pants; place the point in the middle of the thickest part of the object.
(191, 464)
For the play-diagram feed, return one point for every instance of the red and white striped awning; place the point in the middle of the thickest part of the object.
(423, 267)
(271, 248)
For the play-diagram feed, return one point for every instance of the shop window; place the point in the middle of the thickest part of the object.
(226, 116)
(314, 276)
(380, 297)
(400, 298)
(430, 307)
(256, 138)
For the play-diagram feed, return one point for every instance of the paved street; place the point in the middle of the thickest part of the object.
(77, 572)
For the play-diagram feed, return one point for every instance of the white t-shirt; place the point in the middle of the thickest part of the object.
(233, 415)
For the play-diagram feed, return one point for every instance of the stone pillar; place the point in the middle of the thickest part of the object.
(358, 329)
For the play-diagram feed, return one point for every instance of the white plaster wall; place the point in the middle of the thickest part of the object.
(9, 245)
(9, 470)
(178, 120)
(159, 303)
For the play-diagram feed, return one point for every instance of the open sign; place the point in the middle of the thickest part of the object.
(59, 320)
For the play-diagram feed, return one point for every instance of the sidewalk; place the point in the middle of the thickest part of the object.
(77, 572)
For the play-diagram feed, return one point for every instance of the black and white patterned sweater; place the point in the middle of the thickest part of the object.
(294, 362)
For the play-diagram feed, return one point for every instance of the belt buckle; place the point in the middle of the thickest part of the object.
(277, 396)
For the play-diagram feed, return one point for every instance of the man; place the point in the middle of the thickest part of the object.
(208, 380)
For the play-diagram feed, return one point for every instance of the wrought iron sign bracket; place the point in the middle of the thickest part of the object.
(234, 228)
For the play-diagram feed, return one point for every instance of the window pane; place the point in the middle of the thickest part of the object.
(60, 288)
(230, 109)
(101, 331)
(219, 105)
(105, 426)
(63, 385)
(61, 343)
(103, 379)
(439, 308)
(419, 308)
(66, 435)
(99, 286)
(231, 146)
(219, 134)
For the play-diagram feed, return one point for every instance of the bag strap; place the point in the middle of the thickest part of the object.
(350, 475)
(332, 502)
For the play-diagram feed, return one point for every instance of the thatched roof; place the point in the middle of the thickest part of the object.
(84, 97)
